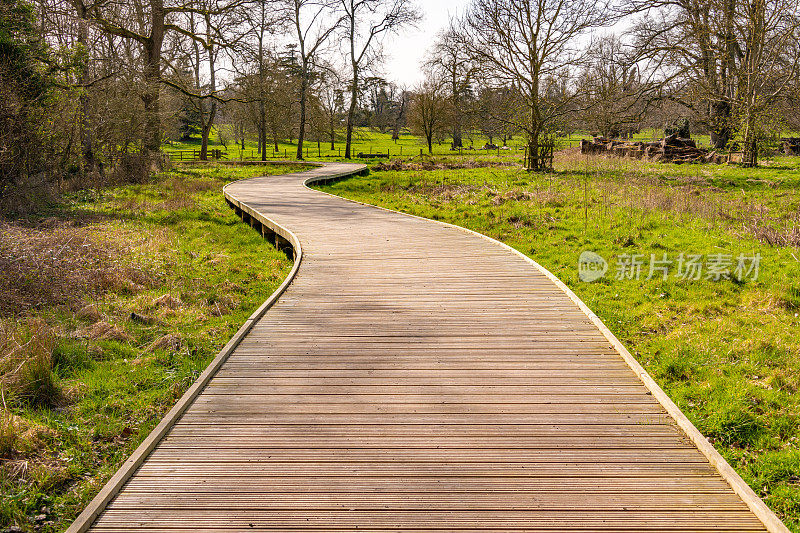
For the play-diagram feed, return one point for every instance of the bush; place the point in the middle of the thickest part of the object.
(138, 167)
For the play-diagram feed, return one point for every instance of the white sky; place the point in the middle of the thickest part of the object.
(406, 51)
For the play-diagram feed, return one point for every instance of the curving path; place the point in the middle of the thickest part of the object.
(418, 377)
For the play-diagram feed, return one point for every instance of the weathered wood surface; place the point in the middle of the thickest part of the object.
(415, 377)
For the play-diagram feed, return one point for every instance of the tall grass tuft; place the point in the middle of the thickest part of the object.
(26, 365)
(9, 433)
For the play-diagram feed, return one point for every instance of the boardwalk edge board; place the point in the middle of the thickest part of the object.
(85, 520)
(739, 486)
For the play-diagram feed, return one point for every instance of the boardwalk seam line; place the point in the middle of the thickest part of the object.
(85, 520)
(739, 486)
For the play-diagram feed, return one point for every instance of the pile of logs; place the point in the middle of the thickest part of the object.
(672, 149)
(791, 145)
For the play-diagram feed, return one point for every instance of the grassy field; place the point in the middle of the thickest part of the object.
(111, 304)
(726, 351)
(364, 140)
(369, 141)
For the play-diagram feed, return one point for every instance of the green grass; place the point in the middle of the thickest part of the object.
(364, 140)
(112, 391)
(367, 140)
(728, 353)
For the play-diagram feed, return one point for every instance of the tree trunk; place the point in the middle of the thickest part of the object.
(152, 79)
(351, 114)
(399, 119)
(262, 129)
(750, 148)
(458, 141)
(206, 132)
(533, 152)
(455, 103)
(302, 133)
(87, 144)
(204, 142)
(719, 124)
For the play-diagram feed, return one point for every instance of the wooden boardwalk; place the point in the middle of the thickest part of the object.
(417, 377)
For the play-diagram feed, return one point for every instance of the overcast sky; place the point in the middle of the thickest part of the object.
(405, 52)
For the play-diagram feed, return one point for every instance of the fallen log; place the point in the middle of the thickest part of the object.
(669, 149)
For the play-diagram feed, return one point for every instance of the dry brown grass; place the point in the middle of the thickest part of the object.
(26, 365)
(775, 231)
(442, 164)
(20, 436)
(444, 192)
(170, 341)
(684, 195)
(221, 305)
(104, 331)
(60, 266)
(9, 433)
(167, 301)
(182, 190)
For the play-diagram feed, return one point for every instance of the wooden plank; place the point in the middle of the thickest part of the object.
(259, 499)
(711, 485)
(328, 428)
(435, 519)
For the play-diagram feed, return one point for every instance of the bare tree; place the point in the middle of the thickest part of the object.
(209, 32)
(495, 113)
(614, 95)
(401, 104)
(147, 22)
(148, 29)
(257, 83)
(728, 60)
(314, 22)
(531, 45)
(365, 21)
(769, 30)
(427, 115)
(332, 100)
(454, 65)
